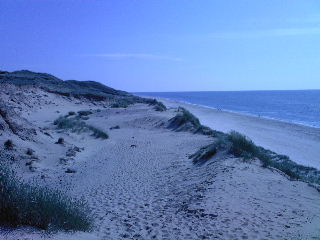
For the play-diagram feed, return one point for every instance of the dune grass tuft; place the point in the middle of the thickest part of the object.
(78, 126)
(241, 146)
(25, 204)
(186, 121)
(158, 106)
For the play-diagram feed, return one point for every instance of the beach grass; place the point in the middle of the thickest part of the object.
(158, 106)
(239, 145)
(41, 207)
(186, 121)
(76, 125)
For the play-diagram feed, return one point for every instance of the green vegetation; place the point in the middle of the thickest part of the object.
(241, 146)
(76, 125)
(158, 106)
(24, 204)
(186, 121)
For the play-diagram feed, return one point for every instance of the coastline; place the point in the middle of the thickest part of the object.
(301, 143)
(140, 183)
(231, 111)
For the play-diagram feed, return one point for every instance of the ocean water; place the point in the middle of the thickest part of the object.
(300, 106)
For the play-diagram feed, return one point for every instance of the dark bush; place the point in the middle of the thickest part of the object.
(8, 144)
(42, 207)
(60, 141)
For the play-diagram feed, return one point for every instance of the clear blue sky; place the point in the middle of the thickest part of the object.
(166, 45)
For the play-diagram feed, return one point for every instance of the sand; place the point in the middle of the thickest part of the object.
(140, 183)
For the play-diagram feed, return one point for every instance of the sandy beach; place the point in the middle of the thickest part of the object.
(141, 184)
(300, 143)
(159, 120)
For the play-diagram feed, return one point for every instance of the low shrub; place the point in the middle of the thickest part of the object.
(8, 144)
(60, 141)
(42, 207)
(71, 113)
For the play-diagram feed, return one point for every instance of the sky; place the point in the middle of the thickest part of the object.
(166, 45)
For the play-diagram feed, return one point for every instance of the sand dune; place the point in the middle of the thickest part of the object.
(300, 143)
(140, 183)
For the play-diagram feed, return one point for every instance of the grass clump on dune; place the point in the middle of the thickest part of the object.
(158, 106)
(241, 146)
(186, 121)
(78, 126)
(24, 204)
(122, 103)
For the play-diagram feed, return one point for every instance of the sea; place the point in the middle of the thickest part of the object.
(295, 106)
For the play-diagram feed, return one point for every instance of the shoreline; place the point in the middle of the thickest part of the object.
(231, 111)
(301, 143)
